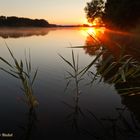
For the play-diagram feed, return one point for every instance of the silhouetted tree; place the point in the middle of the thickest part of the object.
(121, 13)
(94, 9)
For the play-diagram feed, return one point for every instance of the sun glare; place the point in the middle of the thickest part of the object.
(91, 31)
(94, 23)
(95, 32)
(97, 22)
(90, 24)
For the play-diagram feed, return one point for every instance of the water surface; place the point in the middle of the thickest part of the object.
(54, 117)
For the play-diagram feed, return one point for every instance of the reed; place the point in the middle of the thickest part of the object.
(114, 71)
(23, 72)
(74, 75)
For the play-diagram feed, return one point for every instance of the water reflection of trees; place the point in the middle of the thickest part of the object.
(128, 88)
(123, 53)
(114, 41)
(91, 46)
(23, 32)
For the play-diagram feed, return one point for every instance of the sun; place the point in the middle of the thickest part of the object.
(93, 28)
(94, 23)
(87, 23)
(93, 31)
(90, 24)
(97, 22)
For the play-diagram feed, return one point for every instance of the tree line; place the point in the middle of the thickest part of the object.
(14, 21)
(119, 13)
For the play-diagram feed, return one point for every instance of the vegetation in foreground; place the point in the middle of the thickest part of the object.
(22, 72)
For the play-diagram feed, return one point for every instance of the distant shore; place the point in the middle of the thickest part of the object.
(14, 21)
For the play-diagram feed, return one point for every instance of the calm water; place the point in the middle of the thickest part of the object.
(56, 114)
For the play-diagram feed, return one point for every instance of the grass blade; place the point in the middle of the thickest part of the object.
(67, 85)
(66, 61)
(73, 59)
(6, 62)
(34, 76)
(9, 73)
(91, 64)
(29, 61)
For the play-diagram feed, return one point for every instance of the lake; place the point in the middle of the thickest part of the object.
(101, 112)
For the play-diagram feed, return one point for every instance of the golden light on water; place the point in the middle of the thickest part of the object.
(95, 32)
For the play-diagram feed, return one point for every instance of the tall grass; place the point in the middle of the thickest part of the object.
(114, 71)
(23, 72)
(123, 69)
(117, 72)
(75, 76)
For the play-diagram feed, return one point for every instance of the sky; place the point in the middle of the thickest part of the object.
(54, 11)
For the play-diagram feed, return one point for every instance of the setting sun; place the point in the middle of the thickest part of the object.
(94, 23)
(92, 31)
(95, 32)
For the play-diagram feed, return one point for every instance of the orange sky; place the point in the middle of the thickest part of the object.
(55, 11)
